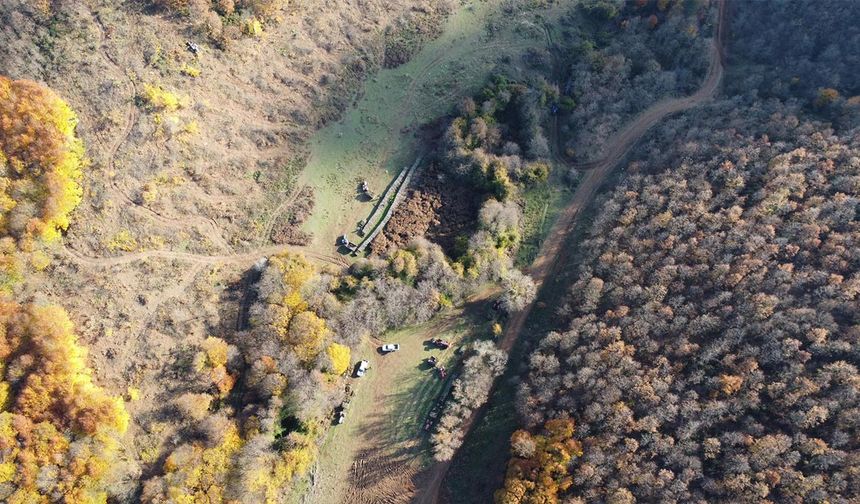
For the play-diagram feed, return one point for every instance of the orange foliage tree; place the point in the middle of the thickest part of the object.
(212, 359)
(538, 469)
(40, 162)
(195, 472)
(59, 432)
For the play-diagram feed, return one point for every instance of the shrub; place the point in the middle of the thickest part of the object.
(157, 98)
(252, 27)
(122, 240)
(190, 71)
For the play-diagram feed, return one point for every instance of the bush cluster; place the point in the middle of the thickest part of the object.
(226, 20)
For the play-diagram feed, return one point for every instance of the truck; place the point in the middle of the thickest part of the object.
(440, 343)
(389, 347)
(363, 366)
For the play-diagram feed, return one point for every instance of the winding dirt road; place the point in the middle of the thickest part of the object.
(547, 259)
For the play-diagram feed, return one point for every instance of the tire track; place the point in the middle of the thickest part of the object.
(132, 118)
(238, 258)
(273, 218)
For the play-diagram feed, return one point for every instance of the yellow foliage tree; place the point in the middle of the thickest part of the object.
(339, 355)
(301, 329)
(294, 268)
(404, 264)
(213, 359)
(306, 335)
(51, 406)
(272, 471)
(40, 162)
(195, 473)
(537, 471)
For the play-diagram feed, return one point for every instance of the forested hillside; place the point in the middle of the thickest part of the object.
(711, 355)
(615, 61)
(793, 49)
(625, 239)
(709, 350)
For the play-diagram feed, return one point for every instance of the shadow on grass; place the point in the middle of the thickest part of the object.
(394, 429)
(478, 469)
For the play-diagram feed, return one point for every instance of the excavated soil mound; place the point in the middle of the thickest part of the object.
(438, 208)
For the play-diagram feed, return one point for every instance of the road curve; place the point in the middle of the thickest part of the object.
(617, 149)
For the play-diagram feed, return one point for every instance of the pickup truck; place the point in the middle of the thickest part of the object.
(363, 366)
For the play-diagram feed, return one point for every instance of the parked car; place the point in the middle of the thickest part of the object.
(341, 416)
(390, 347)
(440, 343)
(363, 366)
(431, 360)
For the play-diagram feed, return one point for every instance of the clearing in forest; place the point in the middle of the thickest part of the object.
(379, 135)
(379, 453)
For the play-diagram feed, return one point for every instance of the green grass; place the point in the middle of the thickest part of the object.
(543, 202)
(375, 138)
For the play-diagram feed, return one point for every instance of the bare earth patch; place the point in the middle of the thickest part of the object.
(434, 208)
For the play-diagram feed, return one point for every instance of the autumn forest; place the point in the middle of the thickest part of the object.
(430, 251)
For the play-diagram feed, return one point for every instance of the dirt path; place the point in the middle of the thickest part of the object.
(547, 259)
(238, 258)
(288, 200)
(131, 118)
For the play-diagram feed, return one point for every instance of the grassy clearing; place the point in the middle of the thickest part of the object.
(376, 138)
(417, 386)
(543, 203)
(391, 402)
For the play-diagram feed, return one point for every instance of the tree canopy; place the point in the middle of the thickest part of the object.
(40, 162)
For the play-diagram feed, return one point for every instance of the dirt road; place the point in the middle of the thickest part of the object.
(616, 149)
(237, 258)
